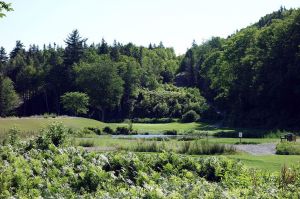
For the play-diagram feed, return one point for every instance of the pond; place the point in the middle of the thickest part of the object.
(150, 136)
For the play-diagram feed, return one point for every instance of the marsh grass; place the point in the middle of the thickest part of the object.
(205, 148)
(143, 146)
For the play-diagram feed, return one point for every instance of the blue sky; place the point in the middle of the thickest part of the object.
(174, 22)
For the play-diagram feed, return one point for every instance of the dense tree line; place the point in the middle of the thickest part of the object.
(111, 76)
(252, 78)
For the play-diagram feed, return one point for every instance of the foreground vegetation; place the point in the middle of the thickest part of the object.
(48, 167)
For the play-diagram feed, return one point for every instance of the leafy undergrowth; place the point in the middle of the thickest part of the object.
(47, 167)
(288, 148)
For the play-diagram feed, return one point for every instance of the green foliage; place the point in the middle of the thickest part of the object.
(9, 99)
(288, 148)
(143, 146)
(13, 137)
(4, 7)
(236, 75)
(170, 132)
(190, 116)
(100, 79)
(71, 173)
(205, 148)
(108, 130)
(90, 130)
(124, 131)
(86, 143)
(75, 102)
(168, 100)
(55, 134)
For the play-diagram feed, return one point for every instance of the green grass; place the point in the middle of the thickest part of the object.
(288, 148)
(34, 124)
(267, 162)
(31, 126)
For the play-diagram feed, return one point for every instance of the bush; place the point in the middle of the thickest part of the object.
(108, 130)
(122, 131)
(13, 137)
(86, 143)
(49, 115)
(170, 132)
(94, 130)
(125, 131)
(288, 148)
(190, 116)
(56, 134)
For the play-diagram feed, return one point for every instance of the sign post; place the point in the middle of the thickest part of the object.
(240, 136)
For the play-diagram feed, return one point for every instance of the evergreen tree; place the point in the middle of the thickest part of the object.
(103, 48)
(3, 56)
(19, 49)
(115, 52)
(74, 49)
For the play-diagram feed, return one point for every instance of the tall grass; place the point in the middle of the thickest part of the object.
(187, 147)
(204, 148)
(143, 146)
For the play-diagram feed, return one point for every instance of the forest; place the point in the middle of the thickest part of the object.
(251, 78)
(100, 120)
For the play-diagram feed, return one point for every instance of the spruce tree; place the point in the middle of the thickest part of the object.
(75, 48)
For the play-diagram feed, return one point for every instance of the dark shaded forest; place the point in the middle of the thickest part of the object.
(251, 78)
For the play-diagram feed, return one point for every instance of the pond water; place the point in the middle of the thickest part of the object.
(141, 136)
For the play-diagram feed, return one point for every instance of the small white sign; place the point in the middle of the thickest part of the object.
(240, 134)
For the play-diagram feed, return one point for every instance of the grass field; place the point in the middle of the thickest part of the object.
(34, 124)
(271, 163)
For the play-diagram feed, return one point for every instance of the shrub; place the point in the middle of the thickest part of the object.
(190, 116)
(86, 131)
(288, 148)
(95, 130)
(122, 131)
(86, 143)
(170, 132)
(13, 137)
(55, 133)
(108, 130)
(125, 131)
(49, 115)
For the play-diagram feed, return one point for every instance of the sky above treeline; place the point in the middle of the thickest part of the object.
(174, 22)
